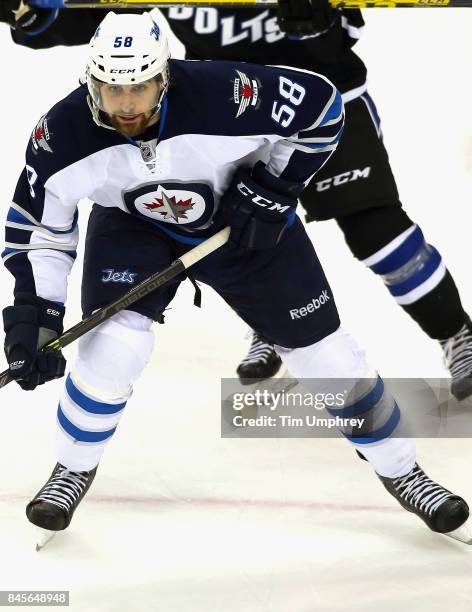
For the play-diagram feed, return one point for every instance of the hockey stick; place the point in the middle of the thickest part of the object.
(354, 4)
(150, 284)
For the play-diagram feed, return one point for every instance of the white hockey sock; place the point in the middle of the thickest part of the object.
(337, 362)
(110, 359)
(392, 457)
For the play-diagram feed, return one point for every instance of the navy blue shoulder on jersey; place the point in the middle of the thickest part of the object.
(66, 134)
(206, 98)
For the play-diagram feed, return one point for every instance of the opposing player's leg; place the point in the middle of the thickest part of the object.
(284, 295)
(357, 188)
(120, 251)
(417, 278)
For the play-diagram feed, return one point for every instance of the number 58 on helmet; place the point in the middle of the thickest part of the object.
(126, 51)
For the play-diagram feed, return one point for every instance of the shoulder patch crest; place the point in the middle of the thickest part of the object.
(41, 136)
(246, 92)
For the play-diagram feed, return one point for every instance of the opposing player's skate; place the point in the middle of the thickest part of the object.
(458, 360)
(54, 505)
(440, 509)
(260, 363)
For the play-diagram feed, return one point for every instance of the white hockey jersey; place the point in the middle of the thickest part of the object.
(216, 117)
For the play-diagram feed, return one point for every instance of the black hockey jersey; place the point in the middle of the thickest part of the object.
(236, 34)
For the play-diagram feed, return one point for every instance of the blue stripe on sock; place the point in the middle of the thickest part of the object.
(420, 277)
(368, 402)
(88, 404)
(79, 434)
(401, 254)
(383, 432)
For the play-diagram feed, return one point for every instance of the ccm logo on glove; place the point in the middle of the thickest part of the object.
(29, 325)
(260, 200)
(54, 313)
(14, 365)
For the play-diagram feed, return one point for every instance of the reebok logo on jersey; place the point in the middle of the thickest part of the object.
(341, 179)
(246, 92)
(110, 276)
(40, 136)
(16, 365)
(298, 313)
(260, 200)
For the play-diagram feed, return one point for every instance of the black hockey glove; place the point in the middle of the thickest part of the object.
(30, 324)
(261, 206)
(32, 21)
(304, 17)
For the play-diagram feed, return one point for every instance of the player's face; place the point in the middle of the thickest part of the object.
(130, 106)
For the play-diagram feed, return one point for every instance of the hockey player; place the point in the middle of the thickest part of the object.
(356, 187)
(169, 160)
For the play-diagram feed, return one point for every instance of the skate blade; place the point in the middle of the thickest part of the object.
(462, 534)
(43, 536)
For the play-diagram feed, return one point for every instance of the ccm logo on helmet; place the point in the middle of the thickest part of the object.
(259, 200)
(123, 70)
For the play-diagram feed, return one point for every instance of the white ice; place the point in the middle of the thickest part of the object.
(180, 520)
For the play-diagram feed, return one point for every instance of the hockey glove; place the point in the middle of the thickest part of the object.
(30, 324)
(261, 207)
(31, 21)
(304, 17)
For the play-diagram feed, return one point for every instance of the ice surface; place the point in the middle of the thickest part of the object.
(180, 520)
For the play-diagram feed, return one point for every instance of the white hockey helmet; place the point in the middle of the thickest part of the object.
(127, 50)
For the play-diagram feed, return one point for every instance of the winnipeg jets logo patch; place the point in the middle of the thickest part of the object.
(40, 136)
(177, 203)
(246, 92)
(170, 208)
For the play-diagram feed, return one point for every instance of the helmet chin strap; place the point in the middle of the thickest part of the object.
(157, 108)
(96, 114)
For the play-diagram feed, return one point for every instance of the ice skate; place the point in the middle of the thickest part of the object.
(440, 509)
(458, 360)
(260, 363)
(54, 505)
